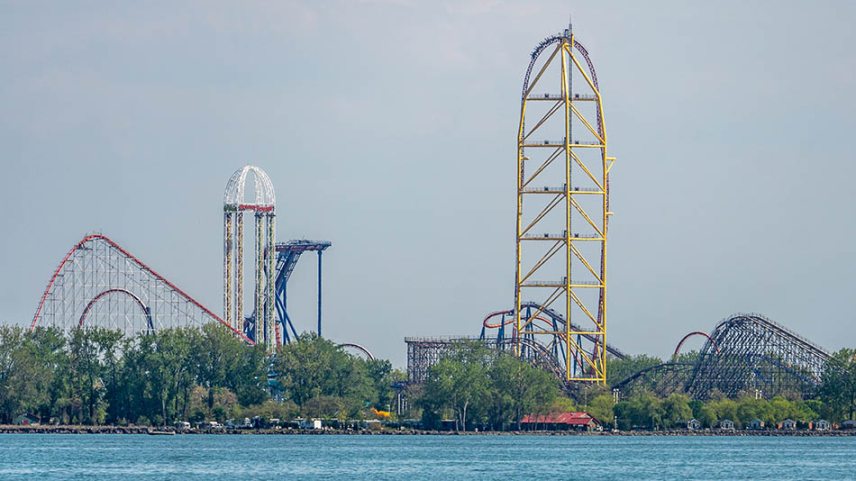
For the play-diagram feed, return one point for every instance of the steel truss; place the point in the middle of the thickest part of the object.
(563, 207)
(99, 283)
(287, 255)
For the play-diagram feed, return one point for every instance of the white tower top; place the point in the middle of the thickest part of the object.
(235, 188)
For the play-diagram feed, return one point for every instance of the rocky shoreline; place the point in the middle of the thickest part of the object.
(76, 429)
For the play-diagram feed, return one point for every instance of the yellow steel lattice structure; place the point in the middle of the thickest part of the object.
(562, 210)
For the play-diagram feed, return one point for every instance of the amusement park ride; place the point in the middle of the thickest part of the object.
(559, 314)
(269, 323)
(101, 283)
(558, 320)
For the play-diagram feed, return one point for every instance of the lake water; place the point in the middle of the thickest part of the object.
(227, 457)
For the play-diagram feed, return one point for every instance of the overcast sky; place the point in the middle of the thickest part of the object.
(389, 128)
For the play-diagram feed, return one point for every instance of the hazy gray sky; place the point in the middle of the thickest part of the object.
(389, 128)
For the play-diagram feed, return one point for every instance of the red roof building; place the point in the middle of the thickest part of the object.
(561, 421)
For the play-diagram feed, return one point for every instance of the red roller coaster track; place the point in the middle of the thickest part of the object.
(96, 266)
(694, 333)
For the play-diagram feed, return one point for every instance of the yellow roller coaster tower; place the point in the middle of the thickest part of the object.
(562, 210)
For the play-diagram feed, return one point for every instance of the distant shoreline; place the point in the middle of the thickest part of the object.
(78, 429)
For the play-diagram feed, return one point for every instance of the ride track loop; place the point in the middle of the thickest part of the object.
(358, 347)
(694, 333)
(133, 296)
(544, 320)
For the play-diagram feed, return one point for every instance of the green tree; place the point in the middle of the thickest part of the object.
(781, 409)
(619, 369)
(223, 361)
(720, 409)
(250, 378)
(708, 416)
(218, 403)
(838, 385)
(18, 370)
(270, 409)
(518, 388)
(642, 410)
(382, 376)
(480, 386)
(459, 382)
(330, 407)
(92, 364)
(314, 366)
(49, 360)
(601, 407)
(162, 372)
(749, 409)
(676, 411)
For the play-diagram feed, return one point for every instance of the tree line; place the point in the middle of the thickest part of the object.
(481, 388)
(834, 400)
(98, 376)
